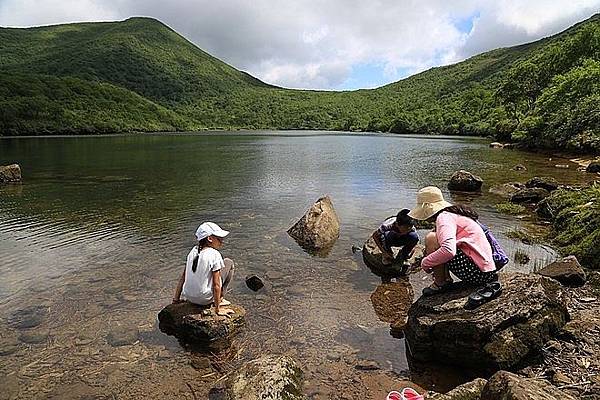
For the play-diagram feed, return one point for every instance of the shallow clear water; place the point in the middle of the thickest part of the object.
(98, 232)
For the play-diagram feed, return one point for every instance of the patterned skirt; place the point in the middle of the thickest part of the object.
(466, 270)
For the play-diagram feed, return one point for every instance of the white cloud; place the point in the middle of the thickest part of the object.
(314, 44)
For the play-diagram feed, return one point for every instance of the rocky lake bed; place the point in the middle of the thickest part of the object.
(90, 328)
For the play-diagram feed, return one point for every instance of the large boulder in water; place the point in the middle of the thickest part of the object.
(464, 181)
(10, 173)
(319, 228)
(501, 334)
(373, 259)
(266, 378)
(593, 167)
(199, 326)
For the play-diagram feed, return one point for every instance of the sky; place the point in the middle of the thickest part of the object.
(328, 44)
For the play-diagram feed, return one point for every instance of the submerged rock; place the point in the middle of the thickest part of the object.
(567, 271)
(501, 334)
(593, 167)
(199, 325)
(464, 181)
(10, 173)
(28, 317)
(529, 195)
(546, 182)
(122, 336)
(507, 190)
(254, 283)
(266, 378)
(319, 228)
(519, 167)
(391, 302)
(507, 386)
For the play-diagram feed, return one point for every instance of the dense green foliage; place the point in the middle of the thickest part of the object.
(139, 75)
(575, 217)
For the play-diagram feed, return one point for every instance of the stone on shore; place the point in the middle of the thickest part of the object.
(464, 181)
(507, 190)
(496, 145)
(10, 173)
(319, 228)
(501, 334)
(567, 271)
(467, 391)
(529, 195)
(199, 325)
(593, 167)
(266, 378)
(507, 386)
(545, 182)
(373, 259)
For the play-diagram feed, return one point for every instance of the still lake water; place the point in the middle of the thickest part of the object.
(93, 241)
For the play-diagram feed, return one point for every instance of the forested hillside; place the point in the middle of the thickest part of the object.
(139, 75)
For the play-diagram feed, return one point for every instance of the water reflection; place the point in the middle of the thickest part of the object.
(98, 233)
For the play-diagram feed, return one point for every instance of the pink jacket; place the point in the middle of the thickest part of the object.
(456, 231)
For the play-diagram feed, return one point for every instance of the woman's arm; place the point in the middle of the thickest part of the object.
(179, 288)
(446, 235)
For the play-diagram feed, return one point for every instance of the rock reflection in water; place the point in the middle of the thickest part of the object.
(391, 302)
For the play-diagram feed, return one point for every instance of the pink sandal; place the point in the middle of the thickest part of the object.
(406, 394)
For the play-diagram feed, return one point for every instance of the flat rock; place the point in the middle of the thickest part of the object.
(507, 386)
(319, 228)
(373, 259)
(10, 173)
(266, 378)
(501, 334)
(199, 325)
(529, 195)
(464, 181)
(507, 190)
(567, 271)
(545, 182)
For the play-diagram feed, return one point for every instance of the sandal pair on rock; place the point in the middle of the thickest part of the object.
(488, 292)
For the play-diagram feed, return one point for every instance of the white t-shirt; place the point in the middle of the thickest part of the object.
(198, 286)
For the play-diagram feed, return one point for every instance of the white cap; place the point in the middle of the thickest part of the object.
(210, 228)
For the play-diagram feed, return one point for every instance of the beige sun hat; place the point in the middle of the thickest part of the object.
(430, 201)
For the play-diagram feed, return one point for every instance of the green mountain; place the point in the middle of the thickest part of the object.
(140, 75)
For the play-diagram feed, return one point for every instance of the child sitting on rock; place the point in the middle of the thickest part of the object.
(206, 275)
(398, 231)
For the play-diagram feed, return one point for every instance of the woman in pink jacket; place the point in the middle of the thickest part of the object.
(457, 245)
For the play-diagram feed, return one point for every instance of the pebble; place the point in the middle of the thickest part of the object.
(200, 363)
(367, 365)
(254, 283)
(561, 379)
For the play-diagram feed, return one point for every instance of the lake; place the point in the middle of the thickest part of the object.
(93, 242)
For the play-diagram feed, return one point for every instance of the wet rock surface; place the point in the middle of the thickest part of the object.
(505, 385)
(319, 228)
(506, 190)
(10, 173)
(199, 325)
(567, 271)
(467, 391)
(266, 378)
(373, 259)
(464, 181)
(545, 182)
(529, 195)
(501, 334)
